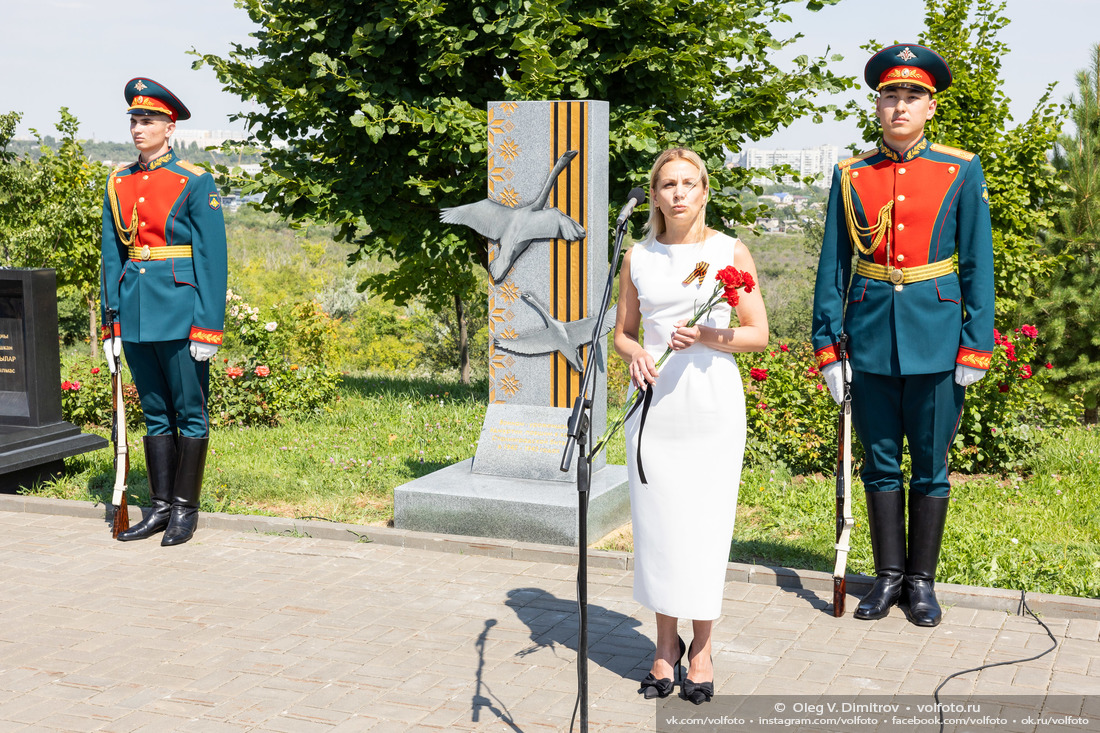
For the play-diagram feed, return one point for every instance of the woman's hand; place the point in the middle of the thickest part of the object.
(684, 336)
(643, 370)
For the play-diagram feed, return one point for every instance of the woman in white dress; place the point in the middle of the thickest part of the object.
(693, 440)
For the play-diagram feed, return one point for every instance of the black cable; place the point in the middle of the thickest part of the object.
(1019, 612)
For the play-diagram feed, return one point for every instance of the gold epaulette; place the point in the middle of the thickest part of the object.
(191, 167)
(856, 158)
(957, 152)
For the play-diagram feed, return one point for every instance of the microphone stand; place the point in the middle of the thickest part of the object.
(578, 436)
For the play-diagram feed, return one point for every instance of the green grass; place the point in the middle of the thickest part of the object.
(1038, 531)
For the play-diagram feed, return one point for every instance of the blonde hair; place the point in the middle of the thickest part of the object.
(656, 223)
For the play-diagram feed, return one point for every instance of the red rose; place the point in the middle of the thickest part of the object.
(760, 375)
(66, 385)
(261, 371)
(1025, 371)
(784, 348)
(1030, 331)
(95, 370)
(76, 386)
(1010, 350)
(234, 371)
(1049, 365)
(996, 337)
(1002, 387)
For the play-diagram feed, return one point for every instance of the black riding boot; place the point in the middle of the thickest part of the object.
(927, 517)
(185, 496)
(160, 463)
(886, 514)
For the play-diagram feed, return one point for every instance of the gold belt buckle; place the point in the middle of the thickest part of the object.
(897, 276)
(144, 252)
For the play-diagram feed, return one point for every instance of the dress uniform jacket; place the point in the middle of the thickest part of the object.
(912, 209)
(166, 203)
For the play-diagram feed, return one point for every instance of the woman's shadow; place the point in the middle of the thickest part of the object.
(614, 642)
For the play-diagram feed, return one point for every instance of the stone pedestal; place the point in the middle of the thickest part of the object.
(33, 437)
(547, 173)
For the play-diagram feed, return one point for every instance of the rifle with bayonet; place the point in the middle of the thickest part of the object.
(121, 521)
(844, 518)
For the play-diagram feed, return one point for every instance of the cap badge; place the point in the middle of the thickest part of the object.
(906, 54)
(140, 86)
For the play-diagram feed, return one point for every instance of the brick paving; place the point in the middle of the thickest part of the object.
(245, 631)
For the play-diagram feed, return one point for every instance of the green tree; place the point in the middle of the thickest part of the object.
(50, 211)
(1071, 310)
(973, 114)
(382, 106)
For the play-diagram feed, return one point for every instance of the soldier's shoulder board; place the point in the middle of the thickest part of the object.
(957, 152)
(192, 168)
(856, 158)
(123, 167)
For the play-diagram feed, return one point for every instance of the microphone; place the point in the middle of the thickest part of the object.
(636, 196)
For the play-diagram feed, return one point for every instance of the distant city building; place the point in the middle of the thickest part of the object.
(817, 161)
(205, 138)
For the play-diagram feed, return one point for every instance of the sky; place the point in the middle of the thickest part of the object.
(81, 53)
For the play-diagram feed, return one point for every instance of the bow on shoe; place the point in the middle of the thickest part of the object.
(653, 687)
(698, 692)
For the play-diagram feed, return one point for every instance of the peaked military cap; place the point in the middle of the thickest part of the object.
(907, 64)
(145, 95)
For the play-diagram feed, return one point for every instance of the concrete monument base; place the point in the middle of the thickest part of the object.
(455, 500)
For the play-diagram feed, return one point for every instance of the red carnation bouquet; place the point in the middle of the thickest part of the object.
(729, 281)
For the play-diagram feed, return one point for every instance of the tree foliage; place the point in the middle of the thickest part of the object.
(973, 114)
(1071, 308)
(382, 106)
(51, 210)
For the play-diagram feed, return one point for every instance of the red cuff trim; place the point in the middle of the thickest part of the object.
(105, 331)
(974, 359)
(206, 337)
(826, 355)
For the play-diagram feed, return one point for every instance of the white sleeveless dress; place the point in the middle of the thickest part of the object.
(693, 441)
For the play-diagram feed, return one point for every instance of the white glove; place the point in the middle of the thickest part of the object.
(833, 380)
(202, 352)
(965, 376)
(112, 347)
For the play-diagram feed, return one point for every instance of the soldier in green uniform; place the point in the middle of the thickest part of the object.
(919, 331)
(163, 302)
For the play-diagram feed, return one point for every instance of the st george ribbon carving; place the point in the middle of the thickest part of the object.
(567, 338)
(515, 229)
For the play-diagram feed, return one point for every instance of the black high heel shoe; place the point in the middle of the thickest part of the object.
(653, 687)
(697, 692)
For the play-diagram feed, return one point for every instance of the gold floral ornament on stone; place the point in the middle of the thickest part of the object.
(698, 273)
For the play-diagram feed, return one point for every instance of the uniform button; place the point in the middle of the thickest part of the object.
(901, 171)
(183, 180)
(145, 178)
(855, 174)
(900, 227)
(951, 169)
(898, 288)
(143, 223)
(901, 258)
(901, 197)
(141, 200)
(118, 180)
(142, 271)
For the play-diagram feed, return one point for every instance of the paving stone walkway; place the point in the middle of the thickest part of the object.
(239, 631)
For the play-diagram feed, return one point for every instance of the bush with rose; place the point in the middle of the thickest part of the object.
(275, 364)
(86, 395)
(1008, 411)
(792, 418)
